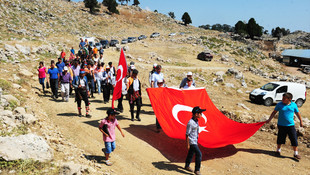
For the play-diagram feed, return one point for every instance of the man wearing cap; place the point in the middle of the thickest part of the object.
(192, 131)
(82, 93)
(157, 75)
(66, 81)
(107, 128)
(185, 80)
(151, 73)
(134, 92)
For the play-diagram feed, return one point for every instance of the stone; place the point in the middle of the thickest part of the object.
(239, 91)
(23, 49)
(29, 146)
(15, 77)
(10, 48)
(16, 86)
(19, 110)
(243, 83)
(69, 168)
(26, 73)
(29, 119)
(126, 48)
(220, 73)
(229, 85)
(243, 106)
(11, 98)
(6, 113)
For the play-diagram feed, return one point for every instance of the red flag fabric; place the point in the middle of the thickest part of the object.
(120, 74)
(173, 109)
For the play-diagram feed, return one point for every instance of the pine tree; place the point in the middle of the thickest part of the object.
(254, 29)
(186, 18)
(111, 4)
(171, 14)
(240, 28)
(92, 5)
(136, 2)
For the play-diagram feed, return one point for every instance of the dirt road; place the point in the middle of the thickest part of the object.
(143, 151)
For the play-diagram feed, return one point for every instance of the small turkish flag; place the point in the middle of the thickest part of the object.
(120, 75)
(173, 109)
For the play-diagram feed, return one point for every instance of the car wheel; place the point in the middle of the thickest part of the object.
(268, 102)
(299, 102)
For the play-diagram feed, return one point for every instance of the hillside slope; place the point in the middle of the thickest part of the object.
(37, 30)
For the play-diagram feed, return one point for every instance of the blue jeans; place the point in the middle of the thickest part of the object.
(99, 86)
(109, 146)
(41, 81)
(194, 149)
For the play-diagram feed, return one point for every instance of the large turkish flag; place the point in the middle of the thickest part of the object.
(120, 75)
(173, 108)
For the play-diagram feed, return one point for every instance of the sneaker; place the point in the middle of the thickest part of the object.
(298, 157)
(197, 172)
(277, 153)
(139, 119)
(108, 163)
(188, 169)
(132, 119)
(80, 115)
(88, 115)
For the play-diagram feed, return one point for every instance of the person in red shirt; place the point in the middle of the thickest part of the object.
(63, 55)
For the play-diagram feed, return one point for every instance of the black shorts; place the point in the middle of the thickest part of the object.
(284, 131)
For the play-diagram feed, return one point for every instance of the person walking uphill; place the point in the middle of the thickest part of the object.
(286, 124)
(66, 82)
(82, 93)
(42, 74)
(54, 77)
(107, 127)
(192, 131)
(134, 92)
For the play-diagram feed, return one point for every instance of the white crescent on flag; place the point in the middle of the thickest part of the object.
(177, 108)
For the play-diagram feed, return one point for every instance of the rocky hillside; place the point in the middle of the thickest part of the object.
(37, 30)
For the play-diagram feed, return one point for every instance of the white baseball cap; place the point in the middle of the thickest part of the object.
(108, 67)
(154, 65)
(189, 73)
(66, 68)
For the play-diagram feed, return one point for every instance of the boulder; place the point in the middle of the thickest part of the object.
(26, 73)
(69, 168)
(16, 86)
(23, 49)
(23, 147)
(6, 113)
(10, 48)
(28, 119)
(11, 98)
(243, 106)
(19, 110)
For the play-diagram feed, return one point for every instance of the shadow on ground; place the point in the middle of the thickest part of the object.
(175, 149)
(266, 152)
(68, 114)
(98, 159)
(162, 165)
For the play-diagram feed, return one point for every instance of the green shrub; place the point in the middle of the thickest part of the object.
(5, 85)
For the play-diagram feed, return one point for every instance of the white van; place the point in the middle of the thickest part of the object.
(272, 93)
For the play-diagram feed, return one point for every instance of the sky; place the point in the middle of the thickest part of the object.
(290, 14)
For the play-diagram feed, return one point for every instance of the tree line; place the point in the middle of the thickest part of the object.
(94, 6)
(250, 29)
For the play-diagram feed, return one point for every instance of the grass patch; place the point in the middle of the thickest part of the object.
(5, 85)
(12, 105)
(19, 130)
(28, 166)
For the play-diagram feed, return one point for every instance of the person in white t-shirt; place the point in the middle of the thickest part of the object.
(157, 75)
(189, 84)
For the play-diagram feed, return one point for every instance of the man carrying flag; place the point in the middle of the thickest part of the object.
(121, 74)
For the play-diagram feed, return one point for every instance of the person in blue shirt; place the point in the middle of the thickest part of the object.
(72, 51)
(54, 77)
(60, 65)
(286, 124)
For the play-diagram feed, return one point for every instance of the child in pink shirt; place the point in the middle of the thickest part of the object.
(107, 127)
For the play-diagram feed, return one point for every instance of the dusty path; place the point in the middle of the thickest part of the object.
(143, 151)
